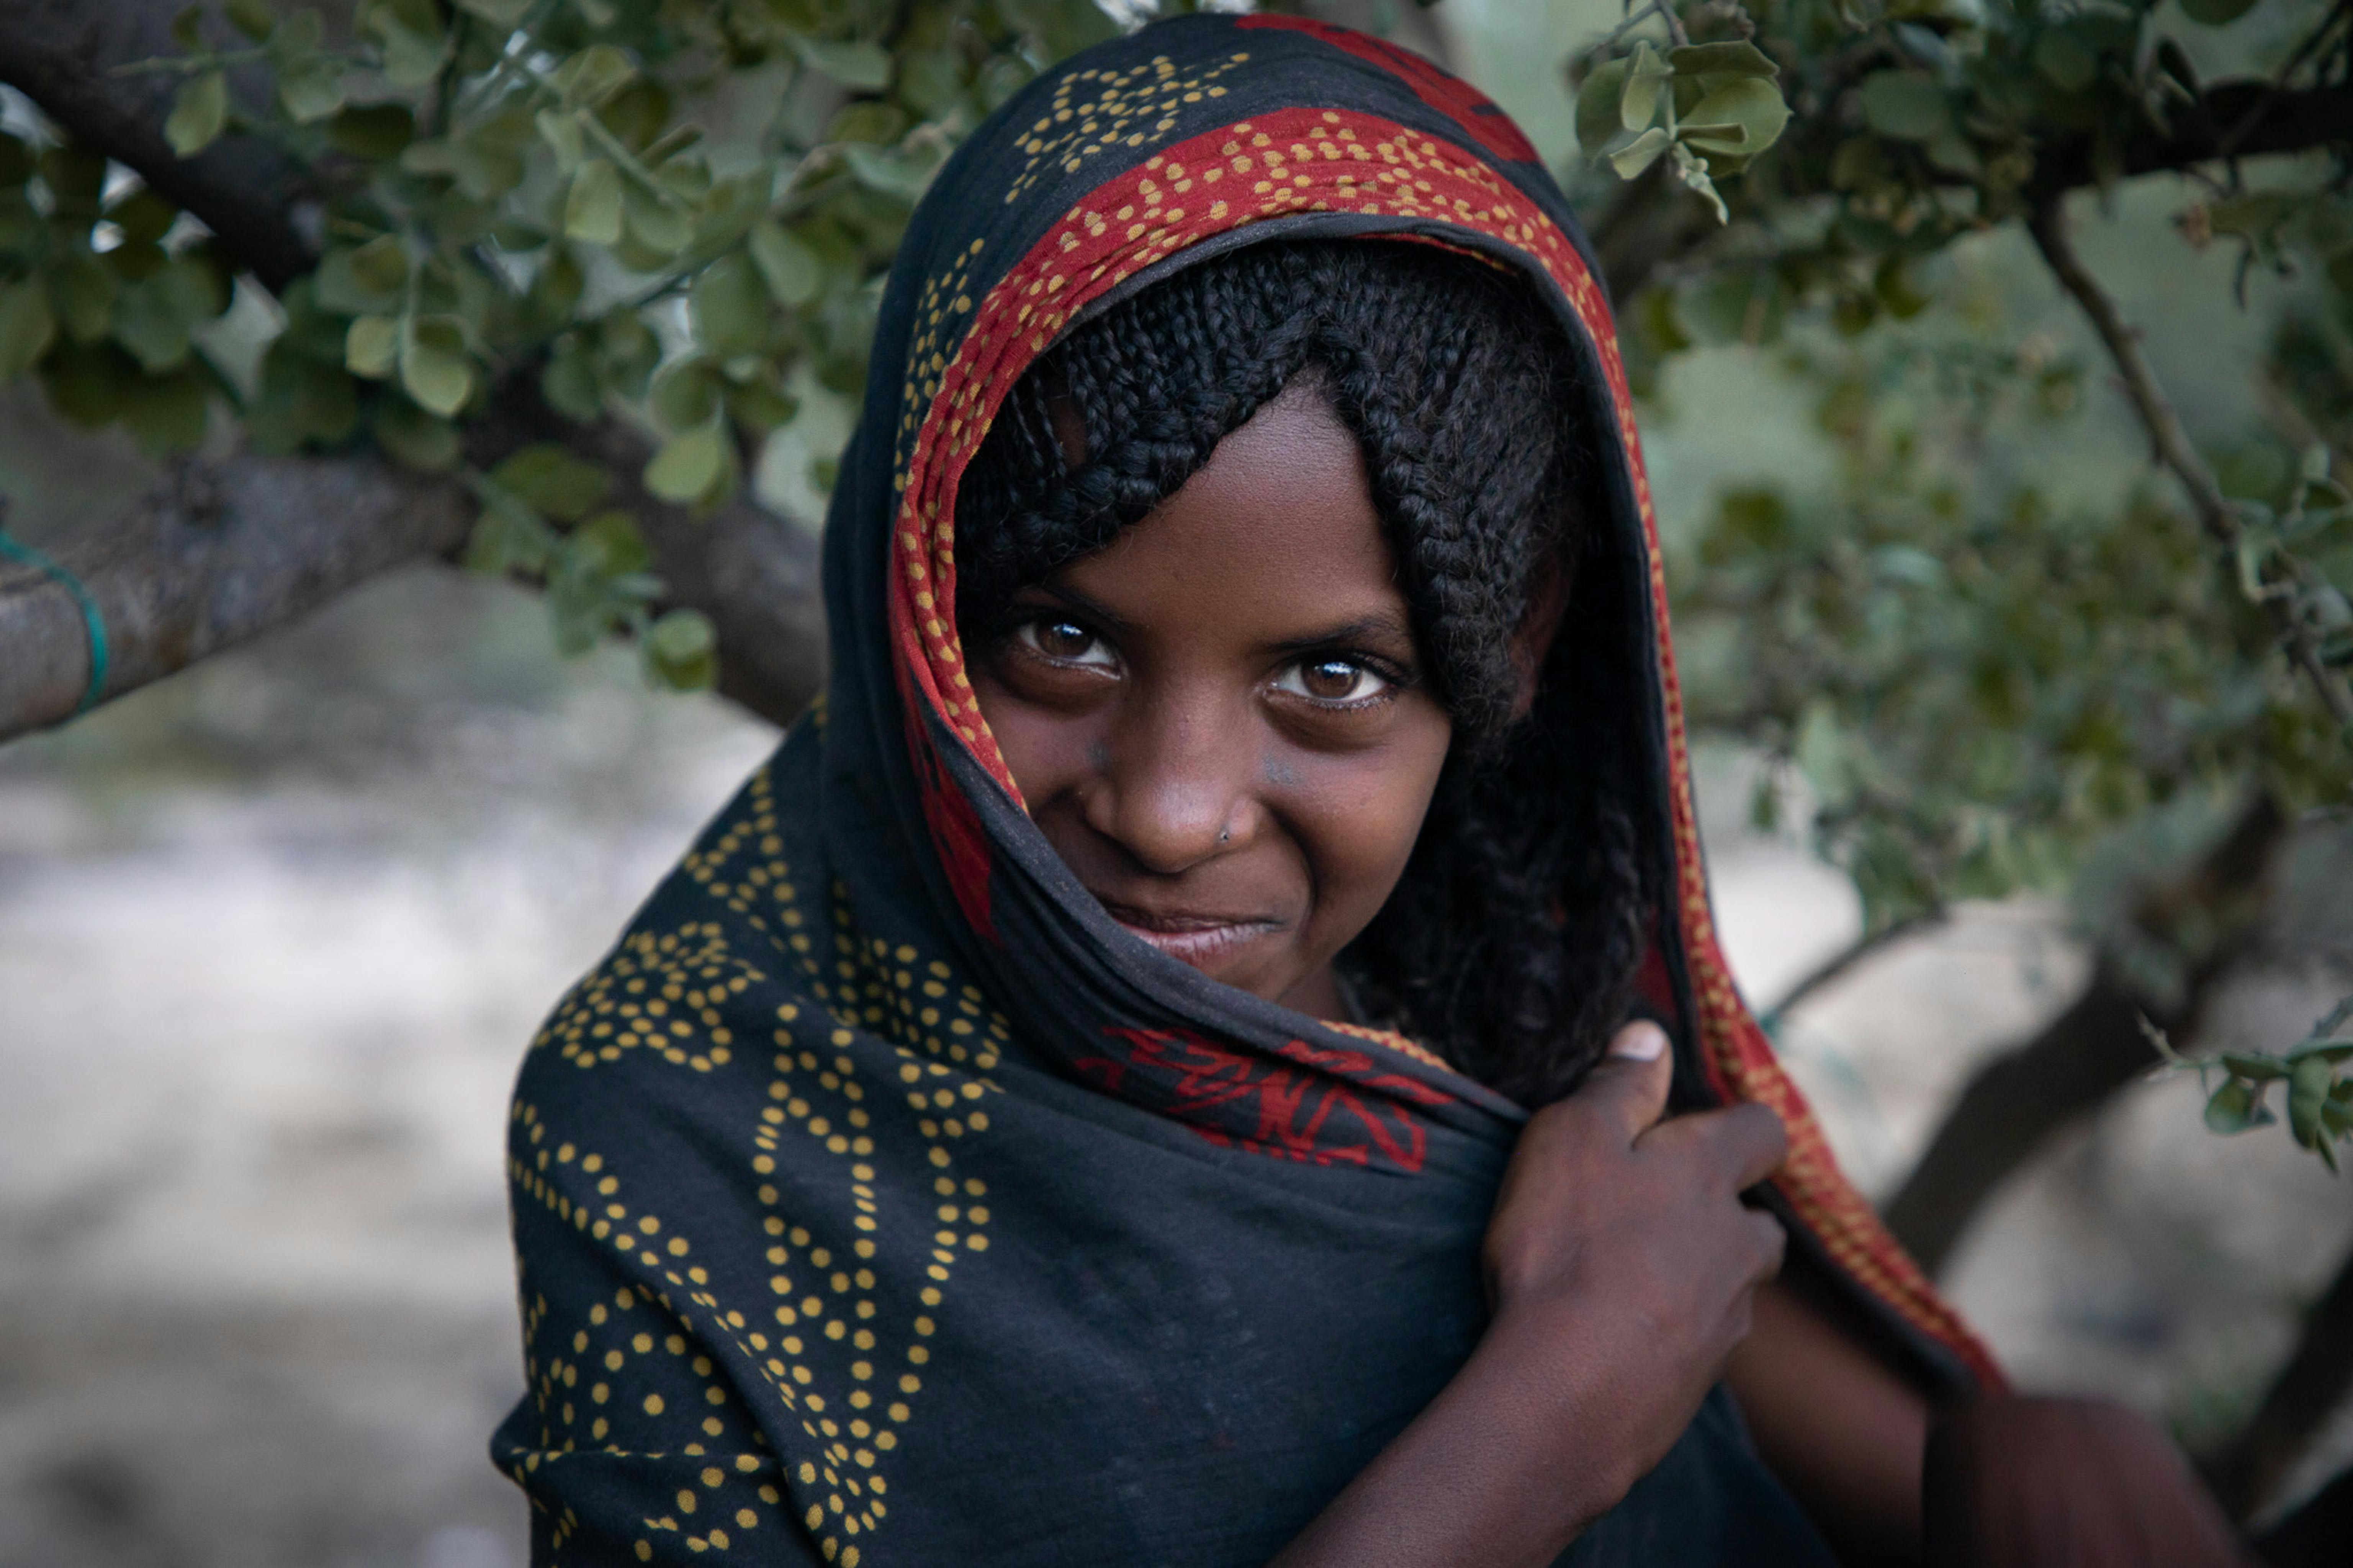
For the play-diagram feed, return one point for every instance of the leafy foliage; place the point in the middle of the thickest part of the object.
(513, 188)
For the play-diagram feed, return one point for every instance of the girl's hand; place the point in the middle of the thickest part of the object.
(1620, 1244)
(2033, 1482)
(1621, 1263)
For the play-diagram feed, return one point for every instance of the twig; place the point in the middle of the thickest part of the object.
(2304, 51)
(2171, 442)
(1838, 964)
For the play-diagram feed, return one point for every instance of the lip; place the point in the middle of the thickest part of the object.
(1199, 940)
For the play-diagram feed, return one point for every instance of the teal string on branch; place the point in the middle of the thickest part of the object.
(14, 548)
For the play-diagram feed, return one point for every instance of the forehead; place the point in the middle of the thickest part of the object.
(1275, 537)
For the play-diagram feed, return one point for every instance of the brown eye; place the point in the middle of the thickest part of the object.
(1331, 681)
(1066, 642)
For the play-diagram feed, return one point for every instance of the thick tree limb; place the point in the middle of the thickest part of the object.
(223, 550)
(61, 54)
(214, 553)
(2229, 119)
(2308, 1390)
(2090, 1051)
(229, 548)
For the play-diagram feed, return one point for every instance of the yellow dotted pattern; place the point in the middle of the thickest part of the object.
(872, 1019)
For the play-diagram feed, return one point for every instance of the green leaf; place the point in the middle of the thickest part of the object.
(610, 544)
(690, 466)
(311, 95)
(2216, 13)
(569, 383)
(1743, 117)
(562, 131)
(1740, 59)
(892, 170)
(186, 25)
(508, 13)
(553, 481)
(653, 222)
(1640, 153)
(681, 650)
(376, 131)
(2234, 1108)
(1820, 754)
(254, 18)
(167, 414)
(729, 307)
(1905, 105)
(144, 216)
(592, 211)
(412, 39)
(372, 346)
(380, 266)
(2066, 60)
(434, 368)
(860, 67)
(1597, 107)
(415, 437)
(198, 114)
(593, 75)
(1645, 74)
(81, 292)
(26, 328)
(2260, 1068)
(684, 395)
(794, 273)
(2307, 1093)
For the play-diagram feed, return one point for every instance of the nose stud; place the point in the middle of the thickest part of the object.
(1225, 835)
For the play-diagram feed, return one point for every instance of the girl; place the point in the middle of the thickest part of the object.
(1074, 1106)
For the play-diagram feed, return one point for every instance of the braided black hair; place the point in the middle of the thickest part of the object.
(1510, 942)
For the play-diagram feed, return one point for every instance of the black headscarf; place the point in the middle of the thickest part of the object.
(879, 1199)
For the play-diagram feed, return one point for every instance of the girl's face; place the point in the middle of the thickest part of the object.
(1219, 720)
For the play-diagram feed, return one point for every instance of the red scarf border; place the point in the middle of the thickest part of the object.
(1304, 161)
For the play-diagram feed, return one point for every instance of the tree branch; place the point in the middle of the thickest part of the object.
(229, 548)
(2171, 442)
(2090, 1051)
(221, 551)
(216, 553)
(1846, 958)
(61, 54)
(2229, 120)
(2308, 1390)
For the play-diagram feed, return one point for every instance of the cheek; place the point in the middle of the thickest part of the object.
(1043, 749)
(1367, 815)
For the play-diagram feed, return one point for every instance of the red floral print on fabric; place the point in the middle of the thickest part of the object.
(1239, 1099)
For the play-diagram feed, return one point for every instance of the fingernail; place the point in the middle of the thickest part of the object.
(1640, 1043)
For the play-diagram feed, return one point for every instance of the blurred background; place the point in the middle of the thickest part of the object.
(274, 933)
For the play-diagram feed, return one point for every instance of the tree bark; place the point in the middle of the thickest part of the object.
(2089, 1052)
(220, 551)
(62, 54)
(2308, 1390)
(214, 554)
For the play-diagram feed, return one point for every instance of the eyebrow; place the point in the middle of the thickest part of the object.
(1380, 625)
(1387, 625)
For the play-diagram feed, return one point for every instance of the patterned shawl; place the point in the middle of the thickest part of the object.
(878, 1199)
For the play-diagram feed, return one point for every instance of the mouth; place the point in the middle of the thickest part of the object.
(1199, 940)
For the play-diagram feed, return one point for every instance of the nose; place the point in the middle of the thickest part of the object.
(1172, 786)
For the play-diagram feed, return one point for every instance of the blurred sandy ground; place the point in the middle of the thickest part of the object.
(272, 937)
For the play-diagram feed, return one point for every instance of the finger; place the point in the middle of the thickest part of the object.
(1770, 1243)
(1742, 1143)
(1629, 1085)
